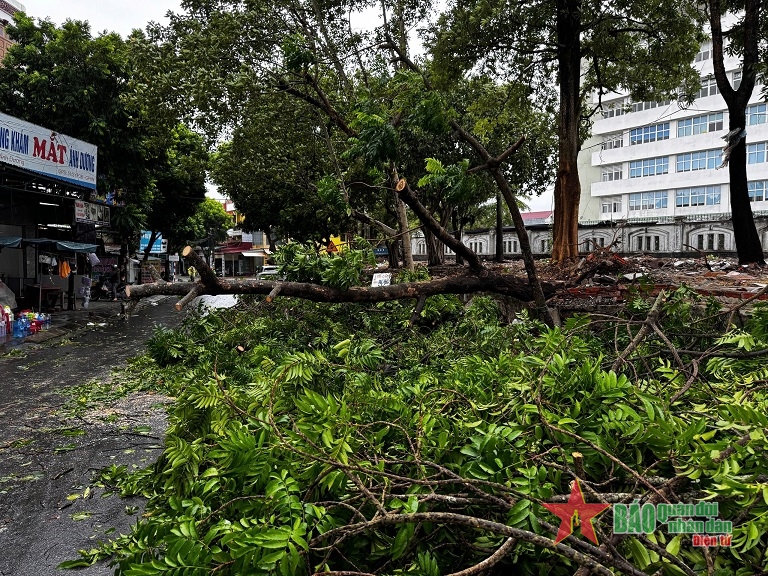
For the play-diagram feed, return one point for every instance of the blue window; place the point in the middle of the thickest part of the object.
(649, 133)
(704, 160)
(756, 114)
(698, 196)
(756, 153)
(700, 125)
(757, 191)
(649, 167)
(648, 200)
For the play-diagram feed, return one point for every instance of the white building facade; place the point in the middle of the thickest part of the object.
(654, 167)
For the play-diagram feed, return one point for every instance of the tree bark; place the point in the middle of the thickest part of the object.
(460, 284)
(499, 230)
(748, 246)
(148, 249)
(567, 185)
(405, 235)
(435, 249)
(457, 233)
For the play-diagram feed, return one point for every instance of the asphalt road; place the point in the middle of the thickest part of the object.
(46, 458)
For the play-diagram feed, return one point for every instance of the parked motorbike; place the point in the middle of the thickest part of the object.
(102, 290)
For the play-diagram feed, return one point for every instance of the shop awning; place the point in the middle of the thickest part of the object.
(262, 253)
(10, 242)
(59, 245)
(233, 248)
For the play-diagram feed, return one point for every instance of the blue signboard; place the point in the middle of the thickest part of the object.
(157, 247)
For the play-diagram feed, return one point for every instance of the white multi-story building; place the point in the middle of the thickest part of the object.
(653, 164)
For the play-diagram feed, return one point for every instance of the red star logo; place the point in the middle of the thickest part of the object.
(576, 513)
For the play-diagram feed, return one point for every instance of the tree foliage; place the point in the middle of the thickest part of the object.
(328, 105)
(339, 439)
(68, 81)
(65, 79)
(210, 220)
(586, 46)
(178, 184)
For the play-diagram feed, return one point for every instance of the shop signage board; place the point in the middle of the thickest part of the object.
(160, 246)
(46, 152)
(90, 212)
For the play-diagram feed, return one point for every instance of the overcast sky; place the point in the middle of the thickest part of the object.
(120, 16)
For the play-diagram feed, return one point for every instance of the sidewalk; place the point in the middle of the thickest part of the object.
(66, 322)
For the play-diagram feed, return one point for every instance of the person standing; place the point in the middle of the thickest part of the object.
(114, 280)
(192, 273)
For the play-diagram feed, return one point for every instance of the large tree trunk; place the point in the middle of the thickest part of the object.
(499, 229)
(435, 249)
(745, 233)
(394, 261)
(567, 186)
(457, 233)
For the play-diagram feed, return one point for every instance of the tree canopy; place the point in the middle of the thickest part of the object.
(641, 46)
(66, 80)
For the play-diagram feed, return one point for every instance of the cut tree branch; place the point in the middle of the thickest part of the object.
(464, 284)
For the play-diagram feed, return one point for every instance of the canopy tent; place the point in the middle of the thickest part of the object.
(46, 244)
(10, 242)
(60, 245)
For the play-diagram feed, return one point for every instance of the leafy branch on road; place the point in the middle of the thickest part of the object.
(344, 440)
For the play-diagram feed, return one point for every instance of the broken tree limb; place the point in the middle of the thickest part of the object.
(275, 291)
(417, 310)
(366, 219)
(196, 291)
(650, 321)
(407, 196)
(463, 284)
(207, 275)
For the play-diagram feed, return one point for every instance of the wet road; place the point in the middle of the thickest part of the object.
(47, 458)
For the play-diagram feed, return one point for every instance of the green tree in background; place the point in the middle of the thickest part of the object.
(583, 46)
(66, 80)
(178, 185)
(210, 220)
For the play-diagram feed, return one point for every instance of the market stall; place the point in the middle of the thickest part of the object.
(55, 268)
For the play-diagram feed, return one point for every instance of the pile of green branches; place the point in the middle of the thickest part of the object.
(348, 440)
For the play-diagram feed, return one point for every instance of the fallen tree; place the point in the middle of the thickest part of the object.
(483, 280)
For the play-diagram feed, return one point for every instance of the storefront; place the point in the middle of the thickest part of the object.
(50, 218)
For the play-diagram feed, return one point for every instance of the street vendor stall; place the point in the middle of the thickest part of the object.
(60, 252)
(55, 255)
